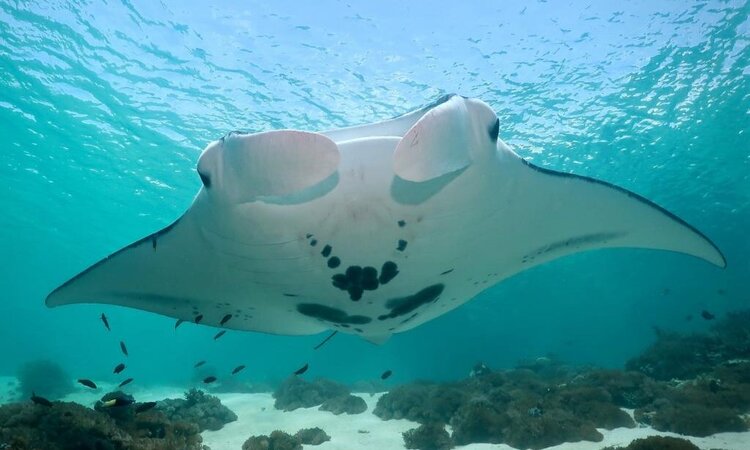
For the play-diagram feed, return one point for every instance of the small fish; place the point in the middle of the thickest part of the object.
(40, 400)
(125, 382)
(325, 340)
(220, 334)
(119, 368)
(301, 370)
(178, 323)
(87, 383)
(199, 363)
(707, 315)
(210, 379)
(106, 322)
(198, 318)
(386, 374)
(143, 407)
(123, 348)
(238, 369)
(119, 401)
(225, 319)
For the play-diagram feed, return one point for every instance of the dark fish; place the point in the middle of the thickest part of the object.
(178, 323)
(386, 374)
(225, 319)
(301, 370)
(238, 369)
(199, 363)
(119, 401)
(198, 318)
(220, 334)
(325, 340)
(106, 322)
(707, 315)
(123, 348)
(144, 407)
(210, 379)
(119, 368)
(40, 400)
(87, 383)
(125, 382)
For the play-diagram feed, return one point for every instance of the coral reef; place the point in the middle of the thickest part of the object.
(200, 408)
(677, 356)
(45, 378)
(658, 443)
(312, 436)
(421, 402)
(349, 404)
(295, 393)
(70, 426)
(428, 436)
(711, 403)
(695, 385)
(278, 440)
(518, 407)
(628, 389)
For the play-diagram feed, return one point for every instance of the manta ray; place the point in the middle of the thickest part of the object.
(370, 230)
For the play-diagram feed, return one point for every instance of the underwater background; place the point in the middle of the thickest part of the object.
(105, 107)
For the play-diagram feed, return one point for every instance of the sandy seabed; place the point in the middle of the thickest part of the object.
(256, 416)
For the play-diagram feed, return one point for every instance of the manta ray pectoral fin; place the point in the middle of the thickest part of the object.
(563, 213)
(241, 167)
(447, 138)
(176, 272)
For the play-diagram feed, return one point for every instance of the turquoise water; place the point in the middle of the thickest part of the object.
(105, 107)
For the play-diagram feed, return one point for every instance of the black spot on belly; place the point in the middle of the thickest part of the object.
(354, 274)
(326, 252)
(446, 272)
(355, 280)
(225, 319)
(404, 305)
(308, 235)
(205, 179)
(153, 241)
(370, 278)
(401, 223)
(334, 262)
(286, 294)
(401, 245)
(340, 281)
(314, 242)
(329, 314)
(388, 272)
(355, 292)
(198, 318)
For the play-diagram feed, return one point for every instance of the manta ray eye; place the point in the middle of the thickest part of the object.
(494, 130)
(205, 179)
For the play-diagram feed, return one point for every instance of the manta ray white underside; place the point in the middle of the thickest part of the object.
(370, 230)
